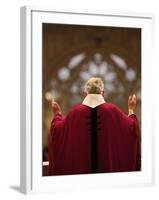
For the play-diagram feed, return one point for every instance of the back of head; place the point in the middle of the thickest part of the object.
(94, 85)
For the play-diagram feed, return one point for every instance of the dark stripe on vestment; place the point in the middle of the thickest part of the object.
(94, 148)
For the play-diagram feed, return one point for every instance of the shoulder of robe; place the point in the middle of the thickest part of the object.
(113, 109)
(79, 107)
(109, 106)
(76, 108)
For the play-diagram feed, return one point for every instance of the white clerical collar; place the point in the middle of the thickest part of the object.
(93, 100)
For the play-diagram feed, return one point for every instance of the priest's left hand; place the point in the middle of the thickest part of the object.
(56, 108)
(131, 104)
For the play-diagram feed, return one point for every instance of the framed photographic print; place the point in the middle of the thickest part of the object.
(86, 84)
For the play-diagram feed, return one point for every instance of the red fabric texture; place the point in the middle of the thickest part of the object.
(118, 141)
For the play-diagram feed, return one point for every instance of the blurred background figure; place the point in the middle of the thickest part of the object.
(73, 53)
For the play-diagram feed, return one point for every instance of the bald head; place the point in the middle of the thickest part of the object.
(94, 85)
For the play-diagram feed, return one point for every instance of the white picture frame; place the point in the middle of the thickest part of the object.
(31, 100)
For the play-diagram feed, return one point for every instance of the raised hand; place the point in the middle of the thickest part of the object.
(132, 104)
(55, 107)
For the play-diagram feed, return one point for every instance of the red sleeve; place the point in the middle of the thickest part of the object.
(56, 122)
(131, 119)
(132, 123)
(138, 143)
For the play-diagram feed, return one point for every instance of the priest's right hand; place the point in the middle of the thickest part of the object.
(56, 108)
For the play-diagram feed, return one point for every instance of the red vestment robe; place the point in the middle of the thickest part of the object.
(94, 140)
